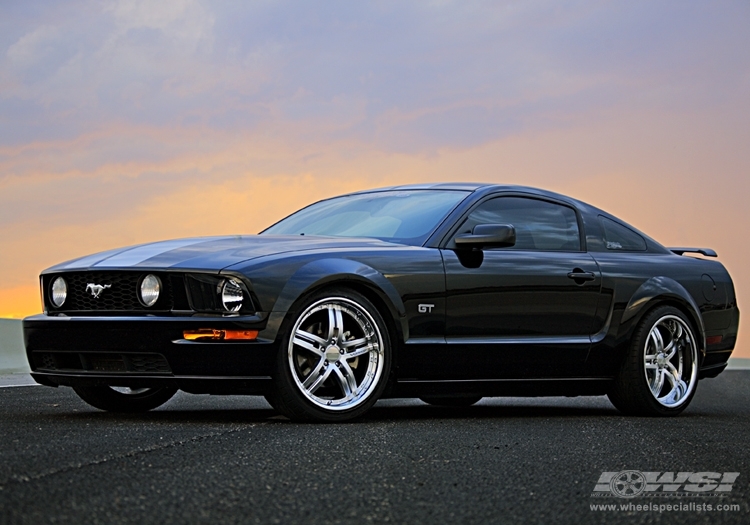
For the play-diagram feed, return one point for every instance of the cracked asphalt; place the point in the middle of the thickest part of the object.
(202, 459)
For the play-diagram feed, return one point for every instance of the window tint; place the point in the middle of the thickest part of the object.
(540, 225)
(619, 237)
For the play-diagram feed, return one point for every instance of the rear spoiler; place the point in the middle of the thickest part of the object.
(703, 251)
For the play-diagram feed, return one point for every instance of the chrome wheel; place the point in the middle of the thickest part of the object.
(670, 361)
(336, 354)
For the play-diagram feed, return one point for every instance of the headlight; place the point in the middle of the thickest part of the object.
(231, 295)
(150, 289)
(59, 291)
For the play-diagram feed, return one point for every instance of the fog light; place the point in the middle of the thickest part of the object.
(150, 290)
(59, 292)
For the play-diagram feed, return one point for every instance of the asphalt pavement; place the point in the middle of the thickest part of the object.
(210, 459)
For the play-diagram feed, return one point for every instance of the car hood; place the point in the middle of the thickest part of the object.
(209, 253)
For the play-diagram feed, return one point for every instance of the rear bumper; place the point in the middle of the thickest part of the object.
(147, 351)
(718, 354)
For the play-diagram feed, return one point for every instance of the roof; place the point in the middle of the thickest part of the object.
(465, 186)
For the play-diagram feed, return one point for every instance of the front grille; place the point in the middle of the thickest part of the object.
(102, 362)
(121, 294)
(46, 361)
(106, 363)
(149, 363)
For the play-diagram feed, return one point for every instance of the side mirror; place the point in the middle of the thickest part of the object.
(488, 235)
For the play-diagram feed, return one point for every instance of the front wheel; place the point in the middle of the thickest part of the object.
(335, 361)
(660, 373)
(123, 399)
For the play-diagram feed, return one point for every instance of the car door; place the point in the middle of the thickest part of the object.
(525, 310)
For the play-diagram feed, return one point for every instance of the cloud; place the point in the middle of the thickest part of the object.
(436, 73)
(33, 46)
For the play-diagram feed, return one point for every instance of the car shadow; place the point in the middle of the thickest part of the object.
(390, 410)
(423, 412)
(190, 411)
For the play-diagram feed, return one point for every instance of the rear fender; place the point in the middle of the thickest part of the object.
(660, 290)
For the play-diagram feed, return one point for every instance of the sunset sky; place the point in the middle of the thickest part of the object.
(133, 121)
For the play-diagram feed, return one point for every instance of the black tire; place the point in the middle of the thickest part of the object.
(319, 360)
(138, 400)
(456, 401)
(637, 389)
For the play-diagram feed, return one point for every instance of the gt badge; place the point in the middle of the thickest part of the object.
(426, 308)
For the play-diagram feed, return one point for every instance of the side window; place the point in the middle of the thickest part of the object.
(621, 238)
(540, 225)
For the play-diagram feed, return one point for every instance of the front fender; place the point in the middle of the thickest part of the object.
(319, 273)
(659, 289)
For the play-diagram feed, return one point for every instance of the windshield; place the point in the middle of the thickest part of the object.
(402, 216)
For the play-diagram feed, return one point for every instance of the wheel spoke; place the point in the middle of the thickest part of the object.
(679, 387)
(354, 342)
(670, 349)
(335, 324)
(658, 341)
(650, 361)
(657, 383)
(319, 380)
(674, 373)
(299, 341)
(310, 337)
(350, 378)
(313, 375)
(677, 334)
(343, 383)
(366, 348)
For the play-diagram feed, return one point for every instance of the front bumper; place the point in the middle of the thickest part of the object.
(148, 351)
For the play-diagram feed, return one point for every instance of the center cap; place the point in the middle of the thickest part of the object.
(333, 353)
(661, 359)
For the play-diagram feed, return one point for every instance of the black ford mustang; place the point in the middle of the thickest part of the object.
(446, 292)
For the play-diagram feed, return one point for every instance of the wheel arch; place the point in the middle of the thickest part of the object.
(345, 273)
(662, 291)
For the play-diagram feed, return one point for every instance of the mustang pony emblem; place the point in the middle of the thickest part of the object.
(97, 289)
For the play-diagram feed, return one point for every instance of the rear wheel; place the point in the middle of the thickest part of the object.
(660, 372)
(335, 360)
(457, 401)
(124, 399)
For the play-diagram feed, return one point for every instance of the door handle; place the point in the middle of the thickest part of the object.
(580, 275)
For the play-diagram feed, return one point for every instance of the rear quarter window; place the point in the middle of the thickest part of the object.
(621, 238)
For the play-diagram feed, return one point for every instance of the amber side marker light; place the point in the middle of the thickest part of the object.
(210, 334)
(713, 340)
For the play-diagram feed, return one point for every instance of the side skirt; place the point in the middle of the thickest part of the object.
(576, 386)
